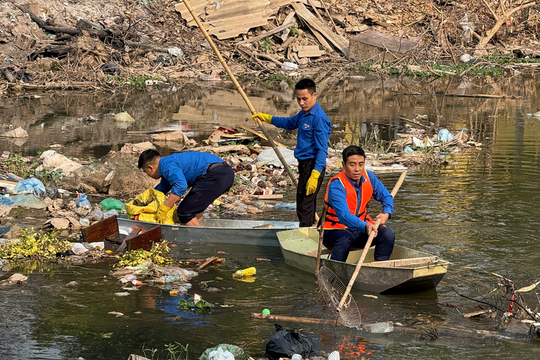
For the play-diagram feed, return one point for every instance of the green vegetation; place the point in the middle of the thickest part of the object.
(267, 45)
(158, 255)
(507, 59)
(277, 77)
(25, 168)
(430, 69)
(35, 246)
(293, 31)
(201, 306)
(174, 351)
(134, 81)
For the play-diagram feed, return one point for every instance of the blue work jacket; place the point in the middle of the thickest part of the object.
(313, 134)
(179, 171)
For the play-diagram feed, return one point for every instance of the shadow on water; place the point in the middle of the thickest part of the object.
(478, 212)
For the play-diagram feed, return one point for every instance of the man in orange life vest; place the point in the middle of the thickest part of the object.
(347, 196)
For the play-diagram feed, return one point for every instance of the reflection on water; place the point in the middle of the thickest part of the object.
(480, 213)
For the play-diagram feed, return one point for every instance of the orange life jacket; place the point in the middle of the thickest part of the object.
(331, 221)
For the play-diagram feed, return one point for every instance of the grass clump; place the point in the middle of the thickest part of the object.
(158, 255)
(34, 245)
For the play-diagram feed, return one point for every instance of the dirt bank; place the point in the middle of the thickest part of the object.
(93, 44)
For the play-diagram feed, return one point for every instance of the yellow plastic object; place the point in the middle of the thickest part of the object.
(145, 206)
(244, 273)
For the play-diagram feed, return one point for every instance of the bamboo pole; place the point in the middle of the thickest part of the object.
(242, 93)
(294, 319)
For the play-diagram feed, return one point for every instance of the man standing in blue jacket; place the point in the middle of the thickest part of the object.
(347, 222)
(311, 148)
(207, 175)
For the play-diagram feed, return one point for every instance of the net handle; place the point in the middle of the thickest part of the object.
(368, 245)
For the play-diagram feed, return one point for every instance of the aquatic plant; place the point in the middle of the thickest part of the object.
(200, 306)
(35, 245)
(158, 255)
(174, 351)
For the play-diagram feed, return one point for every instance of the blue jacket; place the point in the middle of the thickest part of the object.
(179, 171)
(337, 198)
(313, 134)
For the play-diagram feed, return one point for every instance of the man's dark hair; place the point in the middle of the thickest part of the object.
(306, 84)
(352, 150)
(147, 156)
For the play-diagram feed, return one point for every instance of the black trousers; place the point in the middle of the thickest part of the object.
(306, 205)
(208, 187)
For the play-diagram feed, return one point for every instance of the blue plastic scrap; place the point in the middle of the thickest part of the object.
(445, 136)
(30, 186)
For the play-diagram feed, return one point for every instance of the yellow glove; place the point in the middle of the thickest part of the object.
(265, 117)
(312, 182)
(161, 214)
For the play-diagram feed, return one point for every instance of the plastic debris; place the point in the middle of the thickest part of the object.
(289, 66)
(82, 201)
(16, 133)
(445, 136)
(30, 186)
(245, 272)
(235, 351)
(123, 117)
(334, 355)
(112, 204)
(174, 51)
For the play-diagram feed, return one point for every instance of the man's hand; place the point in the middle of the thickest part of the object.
(311, 185)
(161, 214)
(265, 117)
(383, 217)
(370, 228)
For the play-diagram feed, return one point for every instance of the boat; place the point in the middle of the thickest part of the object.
(222, 231)
(407, 270)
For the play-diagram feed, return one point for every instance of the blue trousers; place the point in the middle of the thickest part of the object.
(341, 241)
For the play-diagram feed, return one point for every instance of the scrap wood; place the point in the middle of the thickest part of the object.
(413, 122)
(286, 24)
(257, 133)
(478, 313)
(208, 261)
(339, 41)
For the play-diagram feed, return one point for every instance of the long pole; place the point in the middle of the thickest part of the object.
(241, 91)
(366, 248)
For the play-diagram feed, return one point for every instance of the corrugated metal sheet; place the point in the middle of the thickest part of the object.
(228, 19)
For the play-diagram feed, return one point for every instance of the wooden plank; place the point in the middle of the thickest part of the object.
(285, 34)
(404, 262)
(267, 197)
(145, 240)
(308, 51)
(258, 134)
(322, 41)
(338, 41)
(103, 230)
(285, 25)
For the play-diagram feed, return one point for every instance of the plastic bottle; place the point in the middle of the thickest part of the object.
(245, 272)
(83, 202)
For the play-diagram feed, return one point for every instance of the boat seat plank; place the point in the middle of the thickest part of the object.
(404, 262)
(323, 252)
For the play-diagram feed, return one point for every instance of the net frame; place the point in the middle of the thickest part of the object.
(332, 289)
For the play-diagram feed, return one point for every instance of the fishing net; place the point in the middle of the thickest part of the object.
(332, 290)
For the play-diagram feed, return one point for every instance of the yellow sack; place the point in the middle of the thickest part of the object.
(145, 206)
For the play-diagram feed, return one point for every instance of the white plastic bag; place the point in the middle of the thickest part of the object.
(220, 354)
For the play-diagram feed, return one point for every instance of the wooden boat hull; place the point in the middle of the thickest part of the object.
(407, 270)
(222, 231)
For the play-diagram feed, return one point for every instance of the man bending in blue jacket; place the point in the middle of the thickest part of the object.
(207, 175)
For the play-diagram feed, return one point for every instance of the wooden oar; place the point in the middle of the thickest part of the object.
(321, 235)
(366, 248)
(241, 91)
